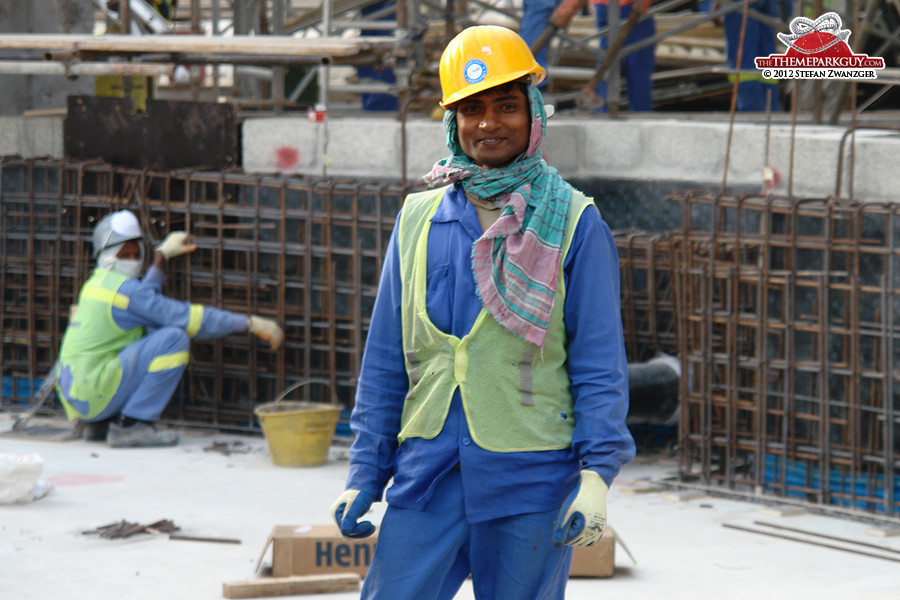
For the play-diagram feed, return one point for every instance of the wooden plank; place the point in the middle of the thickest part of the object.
(288, 586)
(274, 45)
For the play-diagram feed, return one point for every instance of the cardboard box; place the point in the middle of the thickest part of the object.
(317, 550)
(320, 549)
(598, 560)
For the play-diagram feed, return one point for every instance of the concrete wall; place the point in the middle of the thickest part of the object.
(31, 137)
(20, 93)
(644, 149)
(655, 149)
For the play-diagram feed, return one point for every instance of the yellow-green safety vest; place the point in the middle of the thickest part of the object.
(515, 398)
(91, 344)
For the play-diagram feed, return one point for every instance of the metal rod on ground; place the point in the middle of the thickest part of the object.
(192, 538)
(810, 542)
(825, 536)
(40, 396)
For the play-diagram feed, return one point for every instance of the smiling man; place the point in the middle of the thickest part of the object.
(493, 388)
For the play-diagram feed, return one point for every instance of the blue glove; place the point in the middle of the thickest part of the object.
(347, 510)
(582, 518)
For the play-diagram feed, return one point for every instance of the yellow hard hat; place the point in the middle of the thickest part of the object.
(482, 57)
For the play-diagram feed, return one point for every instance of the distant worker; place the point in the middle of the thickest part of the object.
(127, 344)
(637, 67)
(383, 10)
(493, 390)
(759, 40)
(139, 87)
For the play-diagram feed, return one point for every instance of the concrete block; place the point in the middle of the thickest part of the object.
(816, 158)
(364, 146)
(9, 135)
(873, 179)
(425, 146)
(281, 145)
(43, 136)
(748, 154)
(562, 147)
(614, 148)
(687, 150)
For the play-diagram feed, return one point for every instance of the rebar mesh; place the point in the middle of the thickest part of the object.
(306, 253)
(788, 331)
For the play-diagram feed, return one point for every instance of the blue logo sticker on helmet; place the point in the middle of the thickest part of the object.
(475, 71)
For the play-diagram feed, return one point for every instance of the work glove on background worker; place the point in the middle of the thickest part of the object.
(175, 244)
(265, 329)
(347, 510)
(582, 518)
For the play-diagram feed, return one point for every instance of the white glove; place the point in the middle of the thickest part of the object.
(175, 244)
(582, 518)
(266, 329)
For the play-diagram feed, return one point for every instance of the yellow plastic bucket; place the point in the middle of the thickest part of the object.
(298, 433)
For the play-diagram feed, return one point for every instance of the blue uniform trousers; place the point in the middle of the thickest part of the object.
(426, 555)
(535, 18)
(759, 40)
(637, 66)
(151, 369)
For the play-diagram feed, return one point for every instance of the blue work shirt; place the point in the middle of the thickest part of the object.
(148, 307)
(495, 484)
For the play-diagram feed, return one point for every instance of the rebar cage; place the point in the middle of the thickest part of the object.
(306, 253)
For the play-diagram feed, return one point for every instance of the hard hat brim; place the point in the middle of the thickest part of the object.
(538, 74)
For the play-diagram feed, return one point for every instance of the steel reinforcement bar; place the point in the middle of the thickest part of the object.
(788, 334)
(306, 253)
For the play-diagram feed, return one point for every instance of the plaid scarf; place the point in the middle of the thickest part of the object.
(516, 262)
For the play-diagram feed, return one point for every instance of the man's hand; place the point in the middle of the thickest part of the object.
(266, 329)
(347, 510)
(176, 244)
(582, 518)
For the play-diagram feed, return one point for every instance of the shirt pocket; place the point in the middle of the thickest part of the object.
(439, 295)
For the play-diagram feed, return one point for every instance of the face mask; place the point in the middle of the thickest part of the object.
(129, 268)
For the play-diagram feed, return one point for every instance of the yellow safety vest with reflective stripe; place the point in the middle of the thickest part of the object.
(515, 398)
(92, 342)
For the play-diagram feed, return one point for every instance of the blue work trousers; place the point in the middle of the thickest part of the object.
(636, 66)
(151, 370)
(426, 555)
(759, 40)
(536, 18)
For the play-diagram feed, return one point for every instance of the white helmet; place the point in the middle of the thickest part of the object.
(114, 229)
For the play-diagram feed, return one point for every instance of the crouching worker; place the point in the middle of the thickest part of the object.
(126, 345)
(493, 387)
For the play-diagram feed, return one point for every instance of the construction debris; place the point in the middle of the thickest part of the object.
(229, 448)
(813, 542)
(124, 529)
(193, 538)
(289, 586)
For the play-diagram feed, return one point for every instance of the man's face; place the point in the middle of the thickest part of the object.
(130, 251)
(494, 126)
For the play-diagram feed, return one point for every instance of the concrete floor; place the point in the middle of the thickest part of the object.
(682, 549)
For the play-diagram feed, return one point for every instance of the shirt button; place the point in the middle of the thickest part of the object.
(466, 441)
